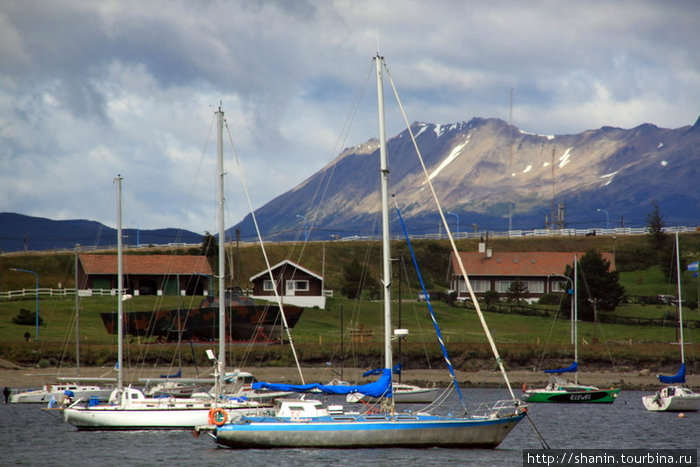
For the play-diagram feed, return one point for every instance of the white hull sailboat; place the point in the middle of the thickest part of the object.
(675, 397)
(62, 391)
(308, 423)
(402, 393)
(128, 408)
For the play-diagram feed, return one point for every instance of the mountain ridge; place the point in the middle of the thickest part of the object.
(489, 176)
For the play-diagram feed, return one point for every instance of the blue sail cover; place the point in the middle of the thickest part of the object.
(573, 368)
(677, 378)
(378, 371)
(379, 388)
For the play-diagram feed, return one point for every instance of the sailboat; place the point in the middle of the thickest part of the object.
(129, 408)
(674, 397)
(561, 390)
(67, 388)
(309, 423)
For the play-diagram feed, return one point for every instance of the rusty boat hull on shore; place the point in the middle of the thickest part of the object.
(245, 321)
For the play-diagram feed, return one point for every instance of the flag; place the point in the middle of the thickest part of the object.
(693, 266)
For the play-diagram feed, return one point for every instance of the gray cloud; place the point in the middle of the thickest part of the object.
(92, 89)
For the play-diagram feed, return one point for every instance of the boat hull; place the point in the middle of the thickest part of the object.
(419, 396)
(44, 396)
(603, 396)
(117, 418)
(680, 400)
(366, 432)
(245, 321)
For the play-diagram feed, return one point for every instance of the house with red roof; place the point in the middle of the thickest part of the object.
(147, 274)
(541, 272)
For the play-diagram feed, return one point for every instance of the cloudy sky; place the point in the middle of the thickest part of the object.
(90, 89)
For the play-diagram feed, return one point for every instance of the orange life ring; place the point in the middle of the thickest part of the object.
(217, 416)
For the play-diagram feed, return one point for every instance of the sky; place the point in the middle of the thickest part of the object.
(92, 89)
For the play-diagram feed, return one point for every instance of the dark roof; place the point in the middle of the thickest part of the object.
(285, 263)
(518, 263)
(146, 264)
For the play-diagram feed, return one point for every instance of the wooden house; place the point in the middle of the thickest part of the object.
(295, 284)
(540, 272)
(147, 274)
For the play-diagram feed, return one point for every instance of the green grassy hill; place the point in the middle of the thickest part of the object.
(523, 340)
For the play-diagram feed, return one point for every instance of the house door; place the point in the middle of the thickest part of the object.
(289, 288)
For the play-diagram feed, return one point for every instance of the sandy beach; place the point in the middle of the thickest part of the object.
(14, 376)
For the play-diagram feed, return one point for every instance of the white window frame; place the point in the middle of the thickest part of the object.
(268, 285)
(293, 285)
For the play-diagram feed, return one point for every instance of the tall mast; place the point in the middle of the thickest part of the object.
(221, 364)
(386, 254)
(120, 286)
(680, 303)
(575, 317)
(77, 314)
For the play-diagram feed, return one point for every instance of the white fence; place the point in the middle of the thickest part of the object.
(63, 292)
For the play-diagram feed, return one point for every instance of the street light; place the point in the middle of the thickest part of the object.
(607, 218)
(457, 216)
(36, 337)
(306, 230)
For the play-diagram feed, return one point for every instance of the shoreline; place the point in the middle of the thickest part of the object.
(16, 377)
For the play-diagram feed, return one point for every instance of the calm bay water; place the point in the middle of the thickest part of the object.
(30, 436)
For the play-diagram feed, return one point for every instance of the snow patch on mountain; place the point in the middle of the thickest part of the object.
(456, 151)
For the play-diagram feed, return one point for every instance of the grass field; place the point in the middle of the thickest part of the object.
(318, 332)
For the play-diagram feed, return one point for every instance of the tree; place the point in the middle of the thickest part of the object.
(516, 291)
(356, 279)
(596, 284)
(658, 240)
(210, 246)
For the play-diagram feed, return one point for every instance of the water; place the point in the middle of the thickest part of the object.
(30, 436)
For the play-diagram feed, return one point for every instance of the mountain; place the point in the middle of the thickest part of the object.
(488, 175)
(492, 176)
(19, 232)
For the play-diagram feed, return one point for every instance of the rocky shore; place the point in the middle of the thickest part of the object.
(14, 376)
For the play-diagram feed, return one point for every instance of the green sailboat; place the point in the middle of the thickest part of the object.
(560, 389)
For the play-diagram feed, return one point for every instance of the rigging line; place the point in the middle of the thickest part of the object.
(325, 182)
(262, 247)
(595, 321)
(411, 293)
(551, 331)
(430, 308)
(429, 182)
(540, 438)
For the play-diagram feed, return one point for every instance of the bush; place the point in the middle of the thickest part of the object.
(491, 297)
(549, 299)
(27, 318)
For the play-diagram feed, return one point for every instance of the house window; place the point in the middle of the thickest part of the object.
(502, 286)
(267, 286)
(480, 286)
(535, 286)
(298, 286)
(559, 286)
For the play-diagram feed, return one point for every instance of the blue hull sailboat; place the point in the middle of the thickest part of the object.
(309, 423)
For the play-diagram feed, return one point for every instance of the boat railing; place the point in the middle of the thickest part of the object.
(495, 409)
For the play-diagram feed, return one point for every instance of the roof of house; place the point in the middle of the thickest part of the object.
(285, 263)
(146, 264)
(518, 263)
